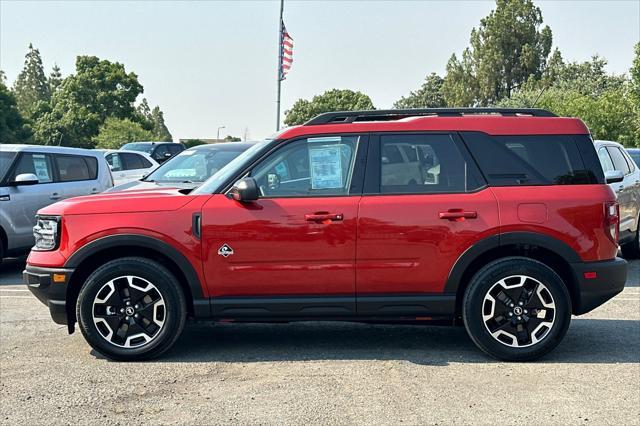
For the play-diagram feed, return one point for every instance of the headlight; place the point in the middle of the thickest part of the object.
(46, 232)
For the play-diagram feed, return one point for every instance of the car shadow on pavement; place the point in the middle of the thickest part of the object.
(587, 341)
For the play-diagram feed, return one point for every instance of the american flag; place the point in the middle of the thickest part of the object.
(286, 51)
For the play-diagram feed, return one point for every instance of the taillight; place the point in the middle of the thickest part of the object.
(612, 220)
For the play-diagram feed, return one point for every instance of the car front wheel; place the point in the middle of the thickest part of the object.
(516, 309)
(131, 309)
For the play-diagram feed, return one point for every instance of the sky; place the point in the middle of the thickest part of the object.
(214, 63)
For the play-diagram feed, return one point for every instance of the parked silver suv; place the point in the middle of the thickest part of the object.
(615, 159)
(32, 177)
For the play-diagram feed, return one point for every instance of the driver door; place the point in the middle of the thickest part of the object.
(291, 252)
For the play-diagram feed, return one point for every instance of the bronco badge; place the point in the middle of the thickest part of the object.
(225, 250)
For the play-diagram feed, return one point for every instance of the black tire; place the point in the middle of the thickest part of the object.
(486, 280)
(631, 250)
(167, 294)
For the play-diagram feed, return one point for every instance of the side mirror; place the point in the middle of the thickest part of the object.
(613, 176)
(25, 179)
(245, 190)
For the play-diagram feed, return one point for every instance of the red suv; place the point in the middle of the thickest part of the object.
(498, 219)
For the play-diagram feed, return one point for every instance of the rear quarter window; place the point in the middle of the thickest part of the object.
(76, 167)
(535, 159)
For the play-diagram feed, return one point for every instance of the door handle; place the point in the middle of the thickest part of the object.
(323, 217)
(54, 196)
(94, 190)
(458, 215)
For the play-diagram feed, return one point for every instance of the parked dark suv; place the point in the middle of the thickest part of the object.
(497, 219)
(159, 151)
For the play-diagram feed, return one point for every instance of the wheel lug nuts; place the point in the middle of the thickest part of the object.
(510, 314)
(121, 310)
(137, 306)
(526, 312)
(511, 305)
(127, 318)
(520, 303)
(519, 318)
(136, 316)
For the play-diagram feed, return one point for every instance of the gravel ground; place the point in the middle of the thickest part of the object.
(318, 373)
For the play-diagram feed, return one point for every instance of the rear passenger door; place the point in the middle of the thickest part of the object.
(626, 190)
(76, 175)
(424, 204)
(135, 166)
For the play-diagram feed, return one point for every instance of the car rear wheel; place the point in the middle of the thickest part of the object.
(516, 309)
(631, 250)
(131, 309)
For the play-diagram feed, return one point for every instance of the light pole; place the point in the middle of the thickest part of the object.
(218, 134)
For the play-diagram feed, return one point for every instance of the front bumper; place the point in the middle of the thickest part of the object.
(49, 285)
(598, 282)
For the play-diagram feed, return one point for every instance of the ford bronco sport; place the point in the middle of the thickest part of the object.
(496, 219)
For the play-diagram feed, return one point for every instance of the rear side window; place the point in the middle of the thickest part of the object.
(75, 167)
(533, 160)
(424, 164)
(132, 161)
(605, 160)
(619, 162)
(114, 162)
(35, 163)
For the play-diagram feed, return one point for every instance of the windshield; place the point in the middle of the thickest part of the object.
(137, 146)
(635, 154)
(192, 165)
(6, 158)
(214, 183)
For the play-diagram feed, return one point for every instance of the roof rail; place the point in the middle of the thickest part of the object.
(339, 117)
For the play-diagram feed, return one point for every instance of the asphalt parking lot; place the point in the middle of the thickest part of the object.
(318, 373)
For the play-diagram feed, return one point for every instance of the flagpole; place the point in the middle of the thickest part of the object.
(279, 75)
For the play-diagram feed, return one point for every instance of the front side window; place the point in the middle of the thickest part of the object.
(605, 160)
(316, 166)
(6, 158)
(132, 161)
(421, 164)
(75, 168)
(114, 162)
(37, 164)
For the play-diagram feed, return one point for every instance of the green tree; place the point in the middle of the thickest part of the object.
(429, 95)
(507, 49)
(190, 143)
(331, 100)
(230, 138)
(31, 86)
(634, 92)
(99, 89)
(55, 78)
(153, 120)
(116, 132)
(12, 126)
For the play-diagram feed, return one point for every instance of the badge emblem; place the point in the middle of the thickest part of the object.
(225, 250)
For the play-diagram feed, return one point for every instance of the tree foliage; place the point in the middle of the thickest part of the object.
(13, 128)
(55, 78)
(190, 143)
(100, 89)
(429, 95)
(230, 138)
(31, 87)
(331, 100)
(153, 120)
(507, 49)
(116, 132)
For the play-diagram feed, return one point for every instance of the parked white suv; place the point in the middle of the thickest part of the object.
(32, 177)
(129, 166)
(614, 158)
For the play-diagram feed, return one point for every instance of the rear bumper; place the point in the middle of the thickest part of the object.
(598, 282)
(52, 292)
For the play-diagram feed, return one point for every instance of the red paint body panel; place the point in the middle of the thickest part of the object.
(277, 251)
(492, 125)
(172, 227)
(575, 216)
(404, 246)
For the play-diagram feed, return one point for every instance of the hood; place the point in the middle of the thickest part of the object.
(137, 185)
(165, 199)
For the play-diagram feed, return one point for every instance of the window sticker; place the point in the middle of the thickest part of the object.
(40, 167)
(326, 167)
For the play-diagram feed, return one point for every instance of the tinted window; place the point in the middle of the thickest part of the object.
(138, 146)
(75, 167)
(132, 161)
(160, 151)
(38, 164)
(115, 162)
(630, 162)
(635, 154)
(174, 148)
(532, 160)
(422, 164)
(321, 166)
(618, 160)
(605, 159)
(6, 158)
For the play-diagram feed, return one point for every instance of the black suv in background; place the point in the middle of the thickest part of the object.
(159, 151)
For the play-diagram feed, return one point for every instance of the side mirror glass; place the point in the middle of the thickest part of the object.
(245, 190)
(25, 179)
(614, 176)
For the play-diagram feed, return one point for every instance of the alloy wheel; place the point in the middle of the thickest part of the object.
(129, 311)
(518, 311)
